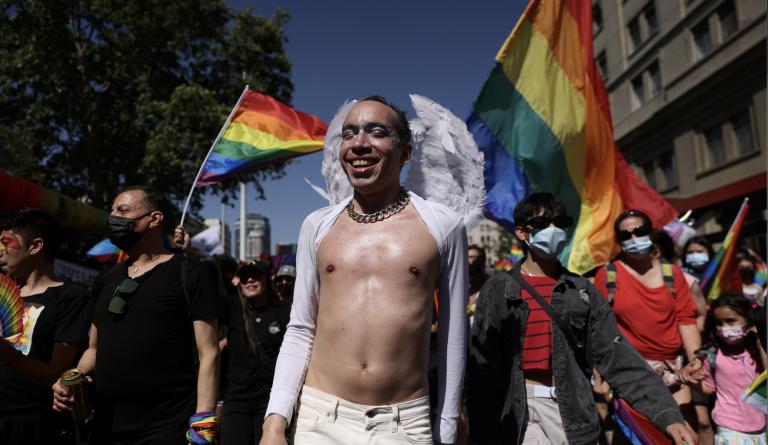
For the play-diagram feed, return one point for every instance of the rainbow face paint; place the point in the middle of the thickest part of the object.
(9, 240)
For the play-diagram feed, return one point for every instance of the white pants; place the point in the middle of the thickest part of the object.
(324, 419)
(545, 426)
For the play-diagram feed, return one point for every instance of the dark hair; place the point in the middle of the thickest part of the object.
(742, 306)
(37, 223)
(698, 239)
(536, 203)
(743, 254)
(402, 128)
(665, 244)
(479, 249)
(249, 312)
(152, 199)
(629, 214)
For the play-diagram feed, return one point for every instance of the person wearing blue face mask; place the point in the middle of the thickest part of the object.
(696, 255)
(653, 304)
(539, 332)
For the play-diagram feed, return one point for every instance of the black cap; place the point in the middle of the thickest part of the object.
(260, 267)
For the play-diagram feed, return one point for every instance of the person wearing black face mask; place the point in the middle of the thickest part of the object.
(751, 290)
(539, 331)
(151, 312)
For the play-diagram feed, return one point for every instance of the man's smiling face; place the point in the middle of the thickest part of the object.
(371, 152)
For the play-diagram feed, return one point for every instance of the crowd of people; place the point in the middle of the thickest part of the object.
(388, 329)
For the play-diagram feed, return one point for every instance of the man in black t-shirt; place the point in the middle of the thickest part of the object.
(151, 313)
(55, 322)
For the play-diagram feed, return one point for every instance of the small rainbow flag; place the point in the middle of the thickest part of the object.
(260, 131)
(722, 273)
(11, 313)
(106, 252)
(756, 395)
(543, 122)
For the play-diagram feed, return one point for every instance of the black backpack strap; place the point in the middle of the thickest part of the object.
(580, 349)
(669, 277)
(610, 281)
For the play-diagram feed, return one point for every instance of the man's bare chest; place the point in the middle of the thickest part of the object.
(401, 244)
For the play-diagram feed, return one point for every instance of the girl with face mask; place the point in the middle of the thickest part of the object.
(696, 255)
(727, 366)
(653, 304)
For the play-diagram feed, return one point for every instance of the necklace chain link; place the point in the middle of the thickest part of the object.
(136, 269)
(366, 218)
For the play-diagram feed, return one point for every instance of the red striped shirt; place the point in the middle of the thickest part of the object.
(537, 344)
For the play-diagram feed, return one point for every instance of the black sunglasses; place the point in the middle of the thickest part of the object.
(542, 222)
(637, 231)
(117, 304)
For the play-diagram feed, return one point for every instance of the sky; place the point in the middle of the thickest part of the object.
(342, 50)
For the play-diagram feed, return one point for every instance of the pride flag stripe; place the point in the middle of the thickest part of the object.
(261, 132)
(543, 121)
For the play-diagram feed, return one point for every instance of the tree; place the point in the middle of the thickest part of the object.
(98, 95)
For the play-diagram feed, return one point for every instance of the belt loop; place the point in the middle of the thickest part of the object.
(395, 418)
(333, 411)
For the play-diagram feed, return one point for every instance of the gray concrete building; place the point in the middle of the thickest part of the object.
(687, 87)
(257, 235)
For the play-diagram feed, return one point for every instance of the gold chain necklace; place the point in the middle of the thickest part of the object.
(386, 212)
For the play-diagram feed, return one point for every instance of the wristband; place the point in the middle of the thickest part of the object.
(203, 428)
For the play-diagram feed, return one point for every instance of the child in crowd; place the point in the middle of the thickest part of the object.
(727, 366)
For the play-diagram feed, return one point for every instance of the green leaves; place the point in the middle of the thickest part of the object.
(97, 95)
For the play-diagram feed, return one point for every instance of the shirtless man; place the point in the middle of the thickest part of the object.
(362, 312)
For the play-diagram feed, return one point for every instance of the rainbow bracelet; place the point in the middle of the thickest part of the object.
(203, 428)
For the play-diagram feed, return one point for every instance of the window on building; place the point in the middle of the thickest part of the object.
(702, 40)
(638, 92)
(726, 15)
(654, 75)
(597, 18)
(742, 134)
(668, 172)
(715, 146)
(649, 14)
(649, 172)
(635, 36)
(602, 64)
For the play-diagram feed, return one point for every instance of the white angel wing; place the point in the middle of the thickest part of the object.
(337, 185)
(447, 166)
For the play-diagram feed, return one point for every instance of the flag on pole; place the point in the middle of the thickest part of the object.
(722, 272)
(755, 395)
(260, 131)
(208, 242)
(106, 252)
(543, 121)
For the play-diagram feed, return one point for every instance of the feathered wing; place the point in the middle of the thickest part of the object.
(336, 182)
(447, 166)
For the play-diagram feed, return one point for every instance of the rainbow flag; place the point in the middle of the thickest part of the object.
(106, 252)
(722, 272)
(756, 395)
(260, 131)
(543, 121)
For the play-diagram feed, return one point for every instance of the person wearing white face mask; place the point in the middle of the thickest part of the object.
(727, 366)
(539, 332)
(696, 255)
(653, 304)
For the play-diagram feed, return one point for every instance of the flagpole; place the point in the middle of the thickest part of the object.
(242, 220)
(210, 150)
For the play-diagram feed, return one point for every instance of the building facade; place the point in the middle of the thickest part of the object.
(486, 234)
(257, 235)
(687, 86)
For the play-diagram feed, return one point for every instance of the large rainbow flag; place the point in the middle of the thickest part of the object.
(722, 272)
(543, 121)
(260, 131)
